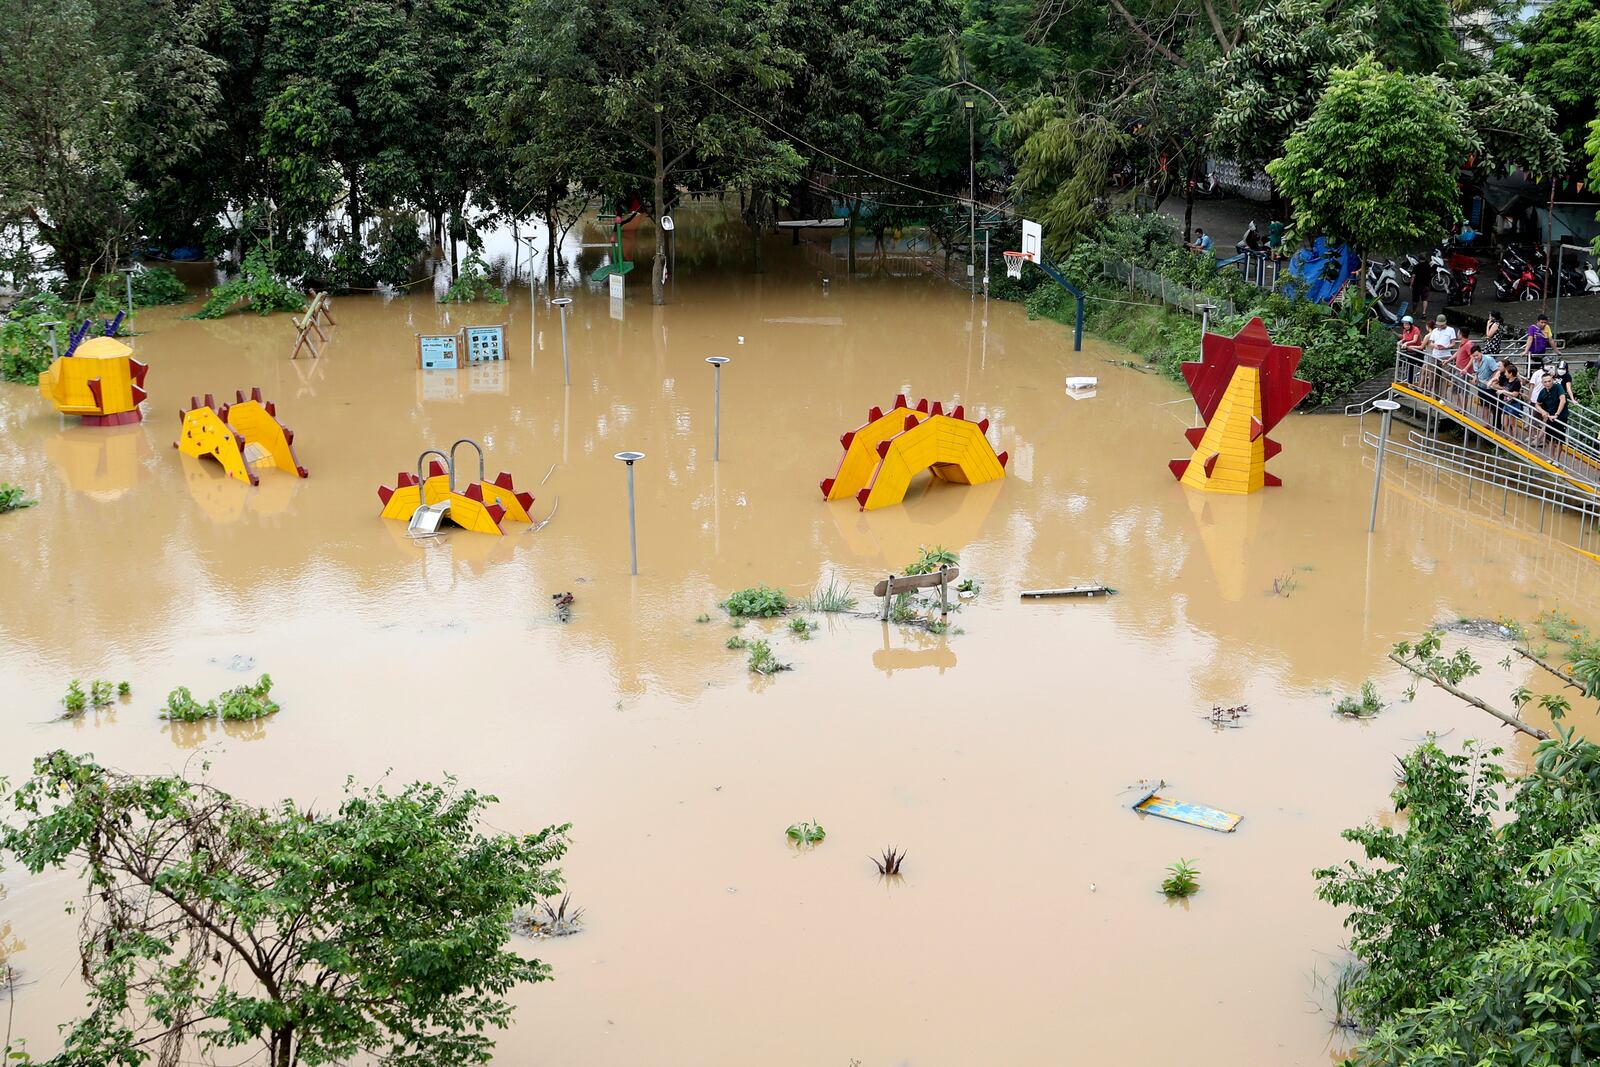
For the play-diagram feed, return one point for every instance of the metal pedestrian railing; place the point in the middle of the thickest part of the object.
(1567, 445)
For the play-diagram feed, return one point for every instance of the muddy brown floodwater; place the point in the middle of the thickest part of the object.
(1028, 927)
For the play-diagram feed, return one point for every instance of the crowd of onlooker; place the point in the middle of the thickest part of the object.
(1481, 376)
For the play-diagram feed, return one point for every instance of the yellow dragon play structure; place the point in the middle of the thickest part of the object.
(426, 503)
(1244, 385)
(99, 380)
(241, 436)
(882, 456)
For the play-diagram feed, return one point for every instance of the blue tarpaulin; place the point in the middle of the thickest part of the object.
(1318, 273)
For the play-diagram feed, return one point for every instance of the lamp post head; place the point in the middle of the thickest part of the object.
(967, 104)
(630, 457)
(1386, 405)
(561, 302)
(717, 361)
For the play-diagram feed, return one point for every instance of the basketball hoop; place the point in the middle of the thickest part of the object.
(1014, 262)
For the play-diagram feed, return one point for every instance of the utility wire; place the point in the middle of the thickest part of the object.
(830, 155)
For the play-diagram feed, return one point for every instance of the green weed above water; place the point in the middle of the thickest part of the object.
(13, 498)
(830, 598)
(1182, 880)
(1367, 705)
(243, 703)
(801, 628)
(930, 559)
(759, 603)
(763, 661)
(806, 833)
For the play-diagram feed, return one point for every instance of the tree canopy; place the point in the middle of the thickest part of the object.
(377, 929)
(348, 138)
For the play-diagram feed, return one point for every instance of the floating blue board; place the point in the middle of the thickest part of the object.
(440, 351)
(1193, 814)
(485, 344)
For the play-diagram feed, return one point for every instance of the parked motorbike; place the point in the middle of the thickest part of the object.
(1445, 262)
(1463, 284)
(1591, 279)
(1518, 278)
(1383, 281)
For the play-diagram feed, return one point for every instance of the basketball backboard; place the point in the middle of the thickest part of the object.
(1032, 240)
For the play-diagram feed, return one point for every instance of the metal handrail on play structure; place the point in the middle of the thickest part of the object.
(458, 444)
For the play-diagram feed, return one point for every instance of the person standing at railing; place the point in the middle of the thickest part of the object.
(1466, 358)
(1484, 368)
(1441, 346)
(1507, 384)
(1494, 333)
(1552, 411)
(1410, 347)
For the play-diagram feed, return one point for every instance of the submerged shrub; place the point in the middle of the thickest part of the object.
(760, 602)
(240, 704)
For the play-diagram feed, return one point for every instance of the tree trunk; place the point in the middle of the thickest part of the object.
(1188, 210)
(850, 251)
(658, 264)
(280, 1048)
(756, 230)
(550, 249)
(354, 210)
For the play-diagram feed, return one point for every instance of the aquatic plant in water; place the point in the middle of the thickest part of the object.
(256, 284)
(759, 602)
(830, 598)
(889, 862)
(762, 660)
(931, 559)
(240, 704)
(12, 498)
(801, 628)
(1182, 880)
(544, 919)
(1368, 704)
(473, 283)
(76, 699)
(806, 833)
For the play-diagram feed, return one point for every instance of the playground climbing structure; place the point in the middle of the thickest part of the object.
(883, 455)
(241, 436)
(426, 503)
(1243, 386)
(97, 379)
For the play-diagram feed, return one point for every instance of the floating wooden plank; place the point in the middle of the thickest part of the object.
(904, 583)
(1071, 590)
(1182, 811)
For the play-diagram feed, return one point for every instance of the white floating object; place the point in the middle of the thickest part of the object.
(741, 338)
(1082, 382)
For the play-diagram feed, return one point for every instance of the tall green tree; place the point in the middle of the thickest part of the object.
(1556, 57)
(90, 123)
(1376, 162)
(1274, 77)
(664, 82)
(375, 931)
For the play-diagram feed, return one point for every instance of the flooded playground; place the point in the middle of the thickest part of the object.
(1001, 755)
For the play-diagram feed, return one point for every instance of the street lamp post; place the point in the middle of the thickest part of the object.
(562, 303)
(630, 458)
(717, 363)
(51, 326)
(1388, 407)
(127, 273)
(972, 202)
